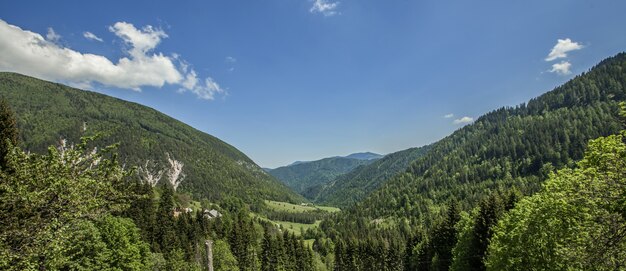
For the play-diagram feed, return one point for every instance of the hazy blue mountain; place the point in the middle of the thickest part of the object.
(365, 156)
(300, 176)
(356, 184)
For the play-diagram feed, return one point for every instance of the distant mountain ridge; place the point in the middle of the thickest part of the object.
(365, 156)
(353, 186)
(357, 155)
(214, 169)
(301, 176)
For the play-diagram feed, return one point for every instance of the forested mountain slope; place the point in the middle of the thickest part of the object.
(304, 175)
(358, 183)
(511, 146)
(214, 169)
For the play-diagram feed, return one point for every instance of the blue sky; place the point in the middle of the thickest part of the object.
(286, 80)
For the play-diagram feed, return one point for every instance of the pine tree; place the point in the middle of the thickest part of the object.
(8, 132)
(444, 238)
(490, 211)
(340, 256)
(142, 210)
(165, 235)
(266, 252)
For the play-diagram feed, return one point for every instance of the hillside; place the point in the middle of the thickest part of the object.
(365, 156)
(508, 147)
(304, 175)
(358, 183)
(214, 169)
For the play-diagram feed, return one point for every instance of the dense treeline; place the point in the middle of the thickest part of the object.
(285, 252)
(304, 175)
(508, 147)
(447, 206)
(541, 186)
(353, 186)
(77, 208)
(215, 170)
(307, 217)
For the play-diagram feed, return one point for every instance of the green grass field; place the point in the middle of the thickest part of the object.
(295, 208)
(329, 209)
(296, 228)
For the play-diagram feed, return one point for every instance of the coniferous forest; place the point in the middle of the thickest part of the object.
(538, 186)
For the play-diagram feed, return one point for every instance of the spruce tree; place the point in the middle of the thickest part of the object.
(340, 256)
(490, 211)
(444, 237)
(8, 132)
(266, 252)
(165, 235)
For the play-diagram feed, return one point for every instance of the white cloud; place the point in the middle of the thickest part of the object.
(562, 68)
(463, 120)
(447, 116)
(91, 36)
(29, 53)
(141, 41)
(230, 61)
(52, 36)
(561, 48)
(324, 7)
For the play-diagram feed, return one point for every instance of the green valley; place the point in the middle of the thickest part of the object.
(93, 182)
(304, 176)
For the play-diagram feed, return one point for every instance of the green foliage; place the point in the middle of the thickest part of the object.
(43, 197)
(474, 231)
(127, 250)
(353, 186)
(8, 132)
(509, 147)
(86, 250)
(444, 237)
(223, 259)
(576, 222)
(214, 169)
(165, 230)
(176, 262)
(111, 243)
(463, 252)
(305, 175)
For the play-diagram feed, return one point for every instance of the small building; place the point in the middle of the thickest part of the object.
(210, 214)
(178, 211)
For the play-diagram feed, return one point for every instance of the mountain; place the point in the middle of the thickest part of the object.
(297, 163)
(358, 156)
(365, 156)
(508, 147)
(355, 185)
(304, 175)
(214, 169)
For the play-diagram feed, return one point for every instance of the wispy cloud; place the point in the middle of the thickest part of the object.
(230, 61)
(561, 48)
(447, 116)
(325, 7)
(52, 36)
(562, 68)
(91, 36)
(463, 120)
(29, 53)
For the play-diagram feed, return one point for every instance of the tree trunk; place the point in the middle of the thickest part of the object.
(209, 254)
